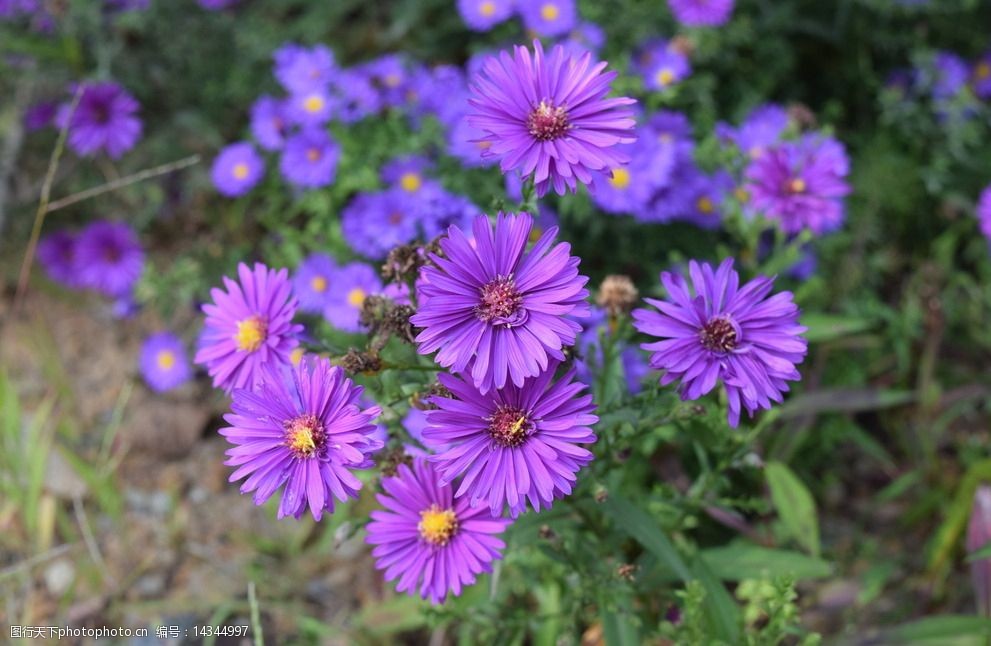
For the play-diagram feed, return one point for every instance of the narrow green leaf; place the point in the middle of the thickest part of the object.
(984, 552)
(720, 608)
(794, 505)
(617, 627)
(827, 327)
(940, 628)
(642, 527)
(740, 561)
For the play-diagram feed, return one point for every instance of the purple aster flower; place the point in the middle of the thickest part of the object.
(670, 127)
(549, 118)
(704, 206)
(675, 198)
(312, 282)
(163, 362)
(389, 74)
(352, 284)
(761, 130)
(309, 159)
(407, 173)
(981, 76)
(483, 15)
(301, 69)
(57, 254)
(549, 17)
(105, 119)
(40, 115)
(108, 257)
(801, 184)
(374, 223)
(237, 169)
(629, 188)
(442, 209)
(668, 66)
(718, 331)
(701, 13)
(586, 37)
(249, 327)
(491, 307)
(427, 539)
(465, 142)
(217, 5)
(268, 122)
(356, 97)
(303, 428)
(983, 213)
(313, 107)
(515, 444)
(949, 75)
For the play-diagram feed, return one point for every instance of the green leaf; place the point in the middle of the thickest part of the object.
(720, 609)
(984, 552)
(795, 505)
(642, 527)
(617, 626)
(844, 400)
(947, 536)
(827, 327)
(740, 561)
(940, 630)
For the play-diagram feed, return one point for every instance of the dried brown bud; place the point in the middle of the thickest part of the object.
(601, 495)
(617, 294)
(802, 116)
(374, 310)
(397, 322)
(627, 571)
(355, 362)
(392, 459)
(545, 532)
(421, 400)
(683, 45)
(403, 263)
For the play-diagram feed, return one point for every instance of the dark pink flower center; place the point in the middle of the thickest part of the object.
(305, 436)
(499, 301)
(509, 426)
(719, 335)
(547, 122)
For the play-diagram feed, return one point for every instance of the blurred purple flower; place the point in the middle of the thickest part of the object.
(762, 129)
(105, 119)
(57, 254)
(108, 257)
(374, 223)
(701, 13)
(549, 17)
(164, 363)
(309, 159)
(352, 284)
(483, 15)
(312, 282)
(237, 169)
(978, 536)
(301, 69)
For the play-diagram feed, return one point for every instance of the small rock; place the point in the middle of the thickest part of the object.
(59, 576)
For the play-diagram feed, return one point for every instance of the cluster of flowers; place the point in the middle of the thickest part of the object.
(550, 18)
(43, 19)
(943, 77)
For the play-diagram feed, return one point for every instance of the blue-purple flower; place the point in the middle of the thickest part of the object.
(108, 258)
(701, 13)
(514, 445)
(312, 282)
(57, 254)
(762, 129)
(374, 223)
(352, 284)
(105, 119)
(493, 309)
(716, 331)
(549, 17)
(269, 122)
(483, 15)
(433, 544)
(164, 363)
(984, 212)
(249, 327)
(301, 69)
(301, 429)
(549, 117)
(237, 169)
(309, 159)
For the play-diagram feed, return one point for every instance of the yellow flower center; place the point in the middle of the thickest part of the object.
(665, 137)
(483, 145)
(664, 77)
(410, 182)
(314, 103)
(705, 205)
(304, 435)
(741, 194)
(620, 178)
(318, 284)
(313, 154)
(356, 297)
(165, 359)
(797, 185)
(251, 333)
(437, 526)
(535, 234)
(391, 80)
(296, 355)
(549, 12)
(755, 152)
(983, 70)
(240, 170)
(487, 9)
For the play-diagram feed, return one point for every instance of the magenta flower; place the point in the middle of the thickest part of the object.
(701, 13)
(57, 254)
(549, 117)
(104, 119)
(801, 184)
(249, 327)
(303, 428)
(720, 331)
(427, 539)
(512, 445)
(492, 308)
